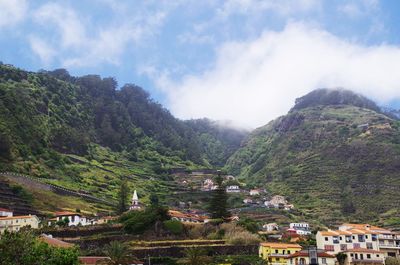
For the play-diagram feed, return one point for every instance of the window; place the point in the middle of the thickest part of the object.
(353, 237)
(356, 245)
(288, 251)
(329, 248)
(326, 239)
(323, 260)
(368, 256)
(369, 245)
(335, 240)
(361, 256)
(366, 236)
(343, 247)
(276, 251)
(377, 256)
(351, 255)
(361, 238)
(341, 238)
(374, 237)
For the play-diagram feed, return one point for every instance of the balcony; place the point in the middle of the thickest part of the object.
(389, 246)
(387, 236)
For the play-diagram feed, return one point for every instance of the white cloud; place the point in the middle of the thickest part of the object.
(359, 8)
(12, 12)
(282, 7)
(255, 81)
(42, 49)
(77, 48)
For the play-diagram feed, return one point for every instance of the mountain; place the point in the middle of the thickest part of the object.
(86, 132)
(335, 155)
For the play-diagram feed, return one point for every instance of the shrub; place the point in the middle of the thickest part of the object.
(174, 226)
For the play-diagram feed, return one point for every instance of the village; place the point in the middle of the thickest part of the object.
(294, 243)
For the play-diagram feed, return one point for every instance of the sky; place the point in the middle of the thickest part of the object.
(238, 61)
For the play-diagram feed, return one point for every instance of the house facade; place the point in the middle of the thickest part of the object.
(302, 229)
(364, 257)
(277, 253)
(302, 258)
(233, 189)
(5, 212)
(15, 223)
(359, 236)
(74, 218)
(188, 217)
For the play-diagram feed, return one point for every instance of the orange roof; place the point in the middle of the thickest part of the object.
(366, 228)
(55, 242)
(18, 217)
(279, 245)
(363, 250)
(5, 210)
(66, 213)
(334, 233)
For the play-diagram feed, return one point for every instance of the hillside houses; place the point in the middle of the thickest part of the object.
(278, 202)
(367, 241)
(15, 223)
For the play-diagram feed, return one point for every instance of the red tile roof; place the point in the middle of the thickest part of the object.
(304, 253)
(5, 210)
(91, 260)
(55, 242)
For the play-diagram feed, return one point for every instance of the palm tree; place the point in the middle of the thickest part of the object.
(195, 256)
(118, 253)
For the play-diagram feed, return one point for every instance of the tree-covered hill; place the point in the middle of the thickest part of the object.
(86, 132)
(335, 156)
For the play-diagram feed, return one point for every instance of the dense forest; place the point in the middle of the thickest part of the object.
(54, 111)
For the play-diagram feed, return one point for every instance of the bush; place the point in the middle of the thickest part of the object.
(237, 235)
(137, 222)
(174, 226)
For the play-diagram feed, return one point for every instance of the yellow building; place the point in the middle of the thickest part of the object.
(14, 223)
(277, 253)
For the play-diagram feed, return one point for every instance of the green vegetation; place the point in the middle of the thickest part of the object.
(122, 197)
(334, 162)
(137, 222)
(218, 207)
(118, 253)
(85, 133)
(25, 248)
(174, 226)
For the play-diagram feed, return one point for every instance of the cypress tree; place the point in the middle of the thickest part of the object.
(218, 205)
(122, 197)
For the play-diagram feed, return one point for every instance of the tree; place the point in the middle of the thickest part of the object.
(122, 197)
(392, 261)
(341, 258)
(118, 253)
(24, 248)
(195, 256)
(218, 204)
(154, 201)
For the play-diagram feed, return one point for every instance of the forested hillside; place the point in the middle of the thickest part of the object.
(334, 155)
(86, 132)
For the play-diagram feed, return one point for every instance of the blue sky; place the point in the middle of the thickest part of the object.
(241, 61)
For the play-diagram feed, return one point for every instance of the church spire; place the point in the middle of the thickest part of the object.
(135, 202)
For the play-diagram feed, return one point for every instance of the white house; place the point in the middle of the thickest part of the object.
(247, 201)
(233, 189)
(270, 227)
(254, 192)
(301, 228)
(74, 218)
(5, 212)
(14, 223)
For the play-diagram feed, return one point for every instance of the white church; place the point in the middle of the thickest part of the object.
(135, 202)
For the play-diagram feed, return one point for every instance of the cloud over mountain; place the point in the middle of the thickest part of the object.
(252, 82)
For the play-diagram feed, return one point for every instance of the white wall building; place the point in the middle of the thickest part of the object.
(301, 228)
(5, 212)
(15, 223)
(74, 218)
(233, 189)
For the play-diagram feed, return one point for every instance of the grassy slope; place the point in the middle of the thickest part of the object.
(327, 166)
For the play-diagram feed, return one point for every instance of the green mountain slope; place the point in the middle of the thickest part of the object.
(86, 133)
(334, 155)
